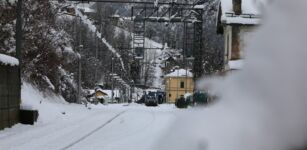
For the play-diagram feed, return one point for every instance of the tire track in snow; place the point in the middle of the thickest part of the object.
(92, 132)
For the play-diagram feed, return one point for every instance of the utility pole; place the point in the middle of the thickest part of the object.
(19, 30)
(79, 68)
(96, 56)
(185, 57)
(96, 53)
(19, 40)
(112, 70)
(178, 83)
(79, 75)
(131, 89)
(120, 86)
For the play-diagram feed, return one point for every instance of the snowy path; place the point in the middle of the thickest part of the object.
(92, 132)
(135, 129)
(118, 128)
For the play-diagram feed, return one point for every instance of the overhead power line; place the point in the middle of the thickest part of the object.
(133, 2)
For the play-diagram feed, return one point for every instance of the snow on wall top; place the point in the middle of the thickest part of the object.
(236, 65)
(8, 60)
(180, 73)
(250, 12)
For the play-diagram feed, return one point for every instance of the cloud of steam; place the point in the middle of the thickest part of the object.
(263, 106)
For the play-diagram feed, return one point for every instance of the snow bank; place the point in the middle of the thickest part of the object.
(8, 60)
(53, 108)
(49, 106)
(236, 64)
(262, 107)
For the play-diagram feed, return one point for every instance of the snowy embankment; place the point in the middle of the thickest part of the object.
(93, 29)
(70, 126)
(50, 107)
(59, 122)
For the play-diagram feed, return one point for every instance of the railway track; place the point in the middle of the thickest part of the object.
(92, 132)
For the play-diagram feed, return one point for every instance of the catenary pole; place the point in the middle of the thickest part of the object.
(80, 67)
(19, 40)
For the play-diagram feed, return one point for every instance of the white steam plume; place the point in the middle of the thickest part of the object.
(263, 106)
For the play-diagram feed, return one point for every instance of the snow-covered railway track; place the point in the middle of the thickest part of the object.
(92, 132)
(112, 127)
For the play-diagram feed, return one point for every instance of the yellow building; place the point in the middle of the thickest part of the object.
(177, 84)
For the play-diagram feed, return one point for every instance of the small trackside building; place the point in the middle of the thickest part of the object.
(9, 91)
(177, 84)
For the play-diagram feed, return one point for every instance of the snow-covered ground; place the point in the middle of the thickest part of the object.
(113, 127)
(70, 126)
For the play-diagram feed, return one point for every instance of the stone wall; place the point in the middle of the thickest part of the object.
(9, 96)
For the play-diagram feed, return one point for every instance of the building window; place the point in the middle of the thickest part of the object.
(170, 95)
(182, 84)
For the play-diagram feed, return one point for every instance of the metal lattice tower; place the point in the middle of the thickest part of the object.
(193, 28)
(139, 39)
(188, 40)
(198, 46)
(171, 12)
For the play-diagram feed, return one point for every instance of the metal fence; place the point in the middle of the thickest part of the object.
(9, 96)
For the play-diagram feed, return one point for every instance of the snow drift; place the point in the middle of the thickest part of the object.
(50, 106)
(262, 106)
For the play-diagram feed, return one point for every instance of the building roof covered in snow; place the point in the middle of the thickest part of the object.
(246, 12)
(109, 92)
(8, 60)
(180, 73)
(174, 53)
(87, 8)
